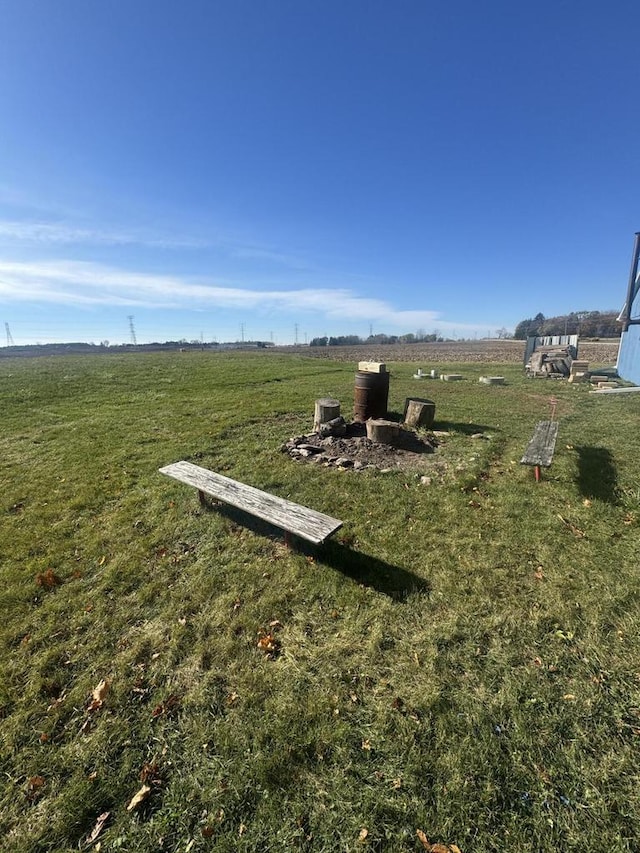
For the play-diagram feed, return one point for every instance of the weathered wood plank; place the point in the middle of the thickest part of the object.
(541, 448)
(300, 520)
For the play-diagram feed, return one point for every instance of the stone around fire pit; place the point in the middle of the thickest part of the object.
(336, 426)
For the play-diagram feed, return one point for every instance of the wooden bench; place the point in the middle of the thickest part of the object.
(540, 449)
(288, 516)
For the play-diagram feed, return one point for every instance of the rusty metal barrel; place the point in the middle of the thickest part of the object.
(371, 395)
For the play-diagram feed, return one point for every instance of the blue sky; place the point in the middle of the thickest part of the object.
(215, 169)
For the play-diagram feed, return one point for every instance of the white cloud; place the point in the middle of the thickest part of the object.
(83, 283)
(48, 233)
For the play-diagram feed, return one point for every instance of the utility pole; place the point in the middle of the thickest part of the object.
(10, 341)
(132, 330)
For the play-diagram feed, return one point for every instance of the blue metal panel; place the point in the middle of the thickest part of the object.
(629, 355)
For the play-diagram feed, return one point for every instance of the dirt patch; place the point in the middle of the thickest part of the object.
(354, 450)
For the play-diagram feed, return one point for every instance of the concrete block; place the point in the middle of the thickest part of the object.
(372, 366)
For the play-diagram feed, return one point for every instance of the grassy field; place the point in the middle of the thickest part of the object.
(461, 662)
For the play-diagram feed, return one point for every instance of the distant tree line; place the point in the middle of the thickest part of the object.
(587, 324)
(353, 340)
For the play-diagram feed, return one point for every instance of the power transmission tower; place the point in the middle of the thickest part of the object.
(242, 332)
(132, 330)
(296, 328)
(10, 341)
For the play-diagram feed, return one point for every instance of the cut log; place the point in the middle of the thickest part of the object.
(382, 431)
(327, 409)
(419, 413)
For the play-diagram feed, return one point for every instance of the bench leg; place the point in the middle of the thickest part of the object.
(202, 498)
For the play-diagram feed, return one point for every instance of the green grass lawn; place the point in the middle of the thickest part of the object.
(461, 660)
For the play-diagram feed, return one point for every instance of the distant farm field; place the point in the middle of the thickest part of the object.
(481, 352)
(458, 667)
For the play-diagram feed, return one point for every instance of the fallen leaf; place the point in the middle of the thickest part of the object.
(366, 745)
(586, 502)
(569, 697)
(97, 829)
(98, 696)
(207, 831)
(44, 737)
(436, 848)
(363, 834)
(34, 786)
(242, 829)
(151, 774)
(48, 579)
(538, 574)
(102, 561)
(423, 839)
(268, 644)
(169, 704)
(139, 797)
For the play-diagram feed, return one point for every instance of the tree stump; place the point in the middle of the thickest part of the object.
(327, 409)
(419, 413)
(383, 432)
